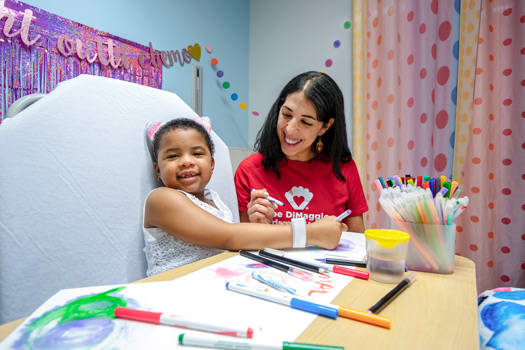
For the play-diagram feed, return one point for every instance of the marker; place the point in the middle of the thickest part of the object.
(382, 181)
(384, 301)
(447, 185)
(297, 263)
(220, 343)
(333, 268)
(343, 262)
(304, 275)
(379, 186)
(366, 317)
(343, 215)
(453, 187)
(284, 299)
(397, 180)
(419, 181)
(181, 322)
(276, 201)
(344, 270)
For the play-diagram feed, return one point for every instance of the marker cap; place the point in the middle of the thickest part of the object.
(351, 272)
(138, 315)
(362, 316)
(314, 308)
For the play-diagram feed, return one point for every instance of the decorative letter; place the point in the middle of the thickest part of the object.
(114, 63)
(187, 56)
(26, 23)
(164, 57)
(65, 45)
(100, 52)
(143, 64)
(155, 59)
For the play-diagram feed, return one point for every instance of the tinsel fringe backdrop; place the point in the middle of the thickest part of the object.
(38, 68)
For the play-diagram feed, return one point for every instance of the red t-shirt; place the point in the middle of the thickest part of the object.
(307, 189)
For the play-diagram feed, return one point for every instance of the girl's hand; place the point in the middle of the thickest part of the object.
(260, 209)
(325, 233)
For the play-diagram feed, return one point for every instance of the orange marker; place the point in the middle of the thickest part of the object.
(453, 188)
(363, 316)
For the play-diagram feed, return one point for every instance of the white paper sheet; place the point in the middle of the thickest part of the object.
(201, 295)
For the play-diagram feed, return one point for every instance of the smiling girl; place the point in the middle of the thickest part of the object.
(185, 222)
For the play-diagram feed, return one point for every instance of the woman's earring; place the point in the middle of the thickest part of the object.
(319, 146)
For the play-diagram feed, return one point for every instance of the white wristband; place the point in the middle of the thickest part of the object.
(299, 232)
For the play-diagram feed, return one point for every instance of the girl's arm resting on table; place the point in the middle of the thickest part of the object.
(173, 212)
(355, 223)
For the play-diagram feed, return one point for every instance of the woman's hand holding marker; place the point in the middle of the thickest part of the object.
(260, 207)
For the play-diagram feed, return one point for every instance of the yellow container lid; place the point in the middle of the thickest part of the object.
(387, 238)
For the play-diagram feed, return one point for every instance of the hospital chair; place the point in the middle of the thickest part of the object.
(74, 173)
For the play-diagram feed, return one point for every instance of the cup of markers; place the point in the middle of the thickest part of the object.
(424, 207)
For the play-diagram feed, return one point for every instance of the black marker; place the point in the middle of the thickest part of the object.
(384, 301)
(301, 264)
(304, 275)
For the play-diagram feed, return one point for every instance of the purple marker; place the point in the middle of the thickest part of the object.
(443, 190)
(343, 215)
(398, 181)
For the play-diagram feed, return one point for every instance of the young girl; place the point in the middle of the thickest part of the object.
(185, 222)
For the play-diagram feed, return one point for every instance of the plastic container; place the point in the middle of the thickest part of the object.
(431, 247)
(386, 252)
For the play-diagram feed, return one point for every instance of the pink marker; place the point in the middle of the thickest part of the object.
(181, 322)
(379, 186)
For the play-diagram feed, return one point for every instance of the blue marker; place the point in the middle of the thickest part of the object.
(288, 300)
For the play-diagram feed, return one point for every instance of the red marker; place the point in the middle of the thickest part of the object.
(347, 271)
(181, 322)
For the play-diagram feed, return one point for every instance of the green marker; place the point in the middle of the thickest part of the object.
(221, 343)
(447, 185)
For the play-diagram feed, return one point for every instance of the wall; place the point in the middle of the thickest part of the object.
(293, 36)
(173, 25)
(260, 45)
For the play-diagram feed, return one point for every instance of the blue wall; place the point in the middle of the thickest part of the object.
(173, 25)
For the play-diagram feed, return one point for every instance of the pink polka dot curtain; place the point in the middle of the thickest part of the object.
(424, 66)
(490, 152)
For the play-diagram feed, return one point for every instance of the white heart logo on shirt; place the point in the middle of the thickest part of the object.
(299, 197)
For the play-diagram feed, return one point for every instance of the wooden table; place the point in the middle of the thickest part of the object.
(435, 312)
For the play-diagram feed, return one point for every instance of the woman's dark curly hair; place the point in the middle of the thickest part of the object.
(323, 92)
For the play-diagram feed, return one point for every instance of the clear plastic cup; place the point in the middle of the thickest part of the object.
(431, 247)
(386, 252)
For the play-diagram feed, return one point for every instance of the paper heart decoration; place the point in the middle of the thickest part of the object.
(195, 51)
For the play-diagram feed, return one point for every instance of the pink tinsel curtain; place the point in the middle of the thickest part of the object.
(422, 66)
(39, 67)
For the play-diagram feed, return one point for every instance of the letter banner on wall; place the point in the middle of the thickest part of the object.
(38, 50)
